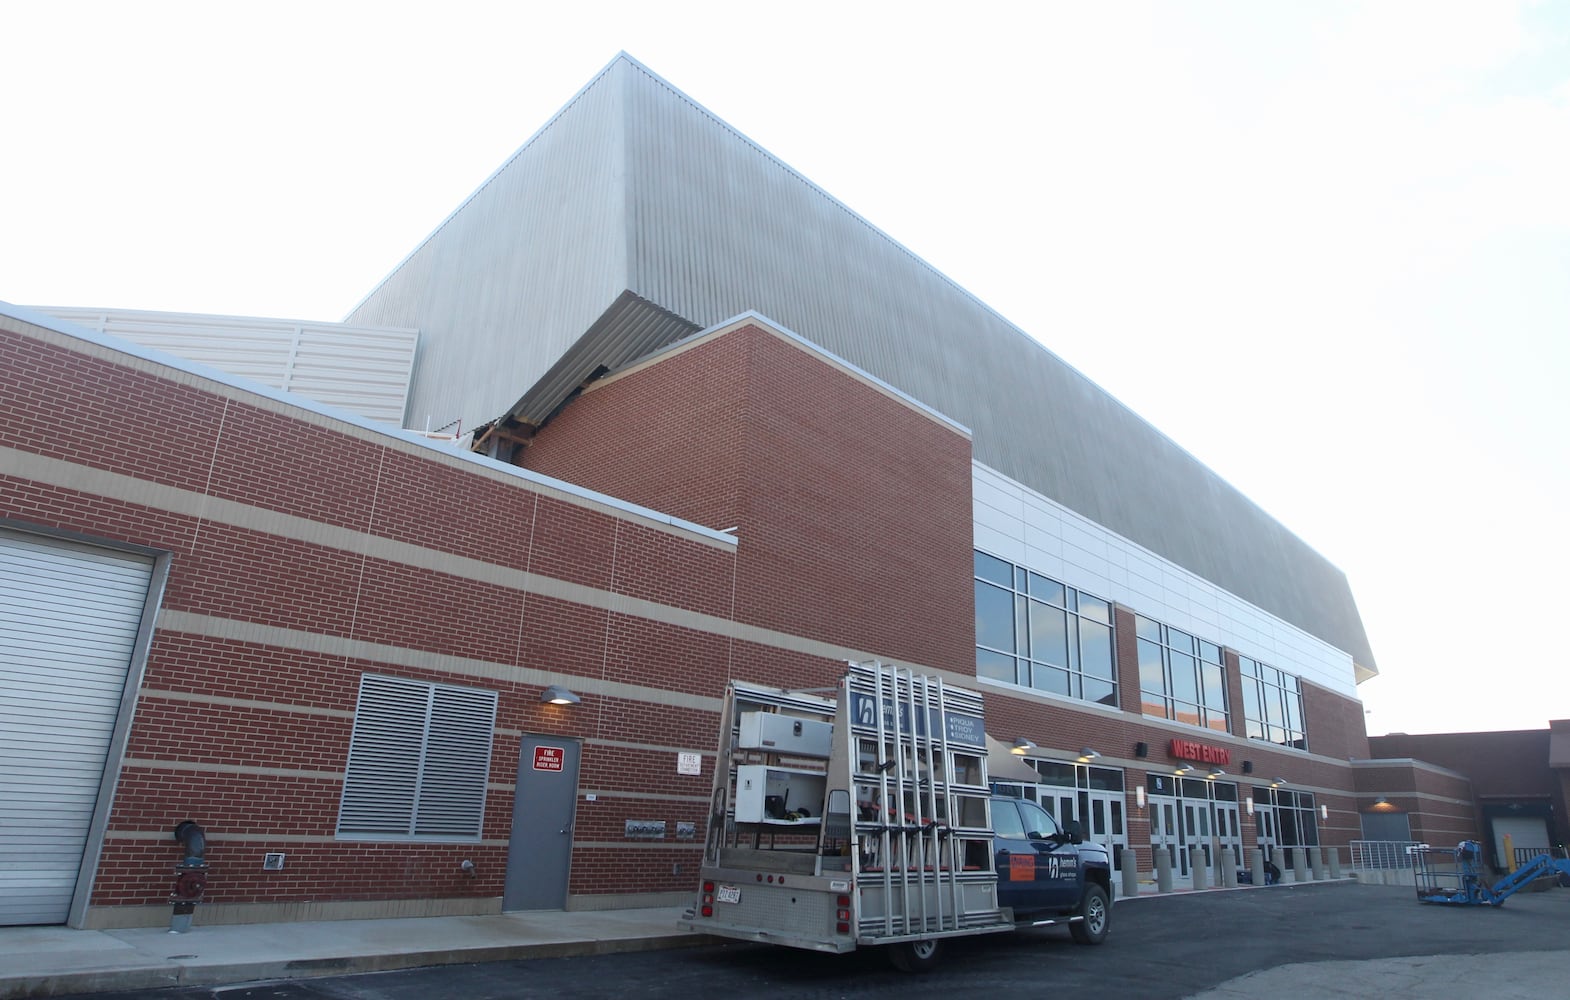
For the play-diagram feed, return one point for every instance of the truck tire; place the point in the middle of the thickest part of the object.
(916, 956)
(1096, 914)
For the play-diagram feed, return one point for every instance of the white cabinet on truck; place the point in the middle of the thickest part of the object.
(782, 796)
(788, 735)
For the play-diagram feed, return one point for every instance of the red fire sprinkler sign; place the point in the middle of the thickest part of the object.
(548, 758)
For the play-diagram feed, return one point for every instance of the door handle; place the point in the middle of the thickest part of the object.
(567, 828)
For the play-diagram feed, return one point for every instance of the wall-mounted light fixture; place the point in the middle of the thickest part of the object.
(1381, 801)
(1248, 803)
(1139, 796)
(1277, 782)
(1086, 755)
(1324, 811)
(1184, 769)
(558, 695)
(1022, 746)
(1215, 773)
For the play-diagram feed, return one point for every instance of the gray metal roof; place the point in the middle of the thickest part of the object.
(635, 216)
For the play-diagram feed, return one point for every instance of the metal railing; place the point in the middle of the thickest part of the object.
(1383, 854)
(1524, 856)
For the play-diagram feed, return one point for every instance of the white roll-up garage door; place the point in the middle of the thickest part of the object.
(69, 616)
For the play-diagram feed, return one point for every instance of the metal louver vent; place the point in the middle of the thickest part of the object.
(418, 761)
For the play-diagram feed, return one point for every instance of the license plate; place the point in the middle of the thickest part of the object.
(728, 894)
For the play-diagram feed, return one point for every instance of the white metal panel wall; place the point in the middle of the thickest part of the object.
(69, 616)
(362, 369)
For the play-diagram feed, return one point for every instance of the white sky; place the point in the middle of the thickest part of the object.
(1323, 246)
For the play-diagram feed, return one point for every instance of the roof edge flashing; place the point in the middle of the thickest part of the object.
(754, 318)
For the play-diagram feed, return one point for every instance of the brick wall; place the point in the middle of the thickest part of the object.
(851, 508)
(305, 552)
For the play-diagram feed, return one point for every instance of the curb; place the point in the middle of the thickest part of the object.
(174, 974)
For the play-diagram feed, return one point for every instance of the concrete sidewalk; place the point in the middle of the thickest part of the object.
(52, 961)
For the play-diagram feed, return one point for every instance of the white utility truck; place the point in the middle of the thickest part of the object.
(867, 819)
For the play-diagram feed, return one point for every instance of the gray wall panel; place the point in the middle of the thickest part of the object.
(721, 227)
(634, 187)
(516, 275)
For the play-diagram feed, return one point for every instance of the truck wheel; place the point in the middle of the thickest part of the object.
(1097, 916)
(916, 956)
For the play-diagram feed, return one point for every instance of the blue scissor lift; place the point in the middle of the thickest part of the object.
(1455, 875)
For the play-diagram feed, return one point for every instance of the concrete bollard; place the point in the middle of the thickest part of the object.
(1324, 868)
(1163, 870)
(1256, 865)
(1299, 865)
(1335, 862)
(1130, 873)
(1228, 869)
(1196, 865)
(1315, 871)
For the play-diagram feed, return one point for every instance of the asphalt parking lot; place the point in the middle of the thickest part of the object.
(1305, 942)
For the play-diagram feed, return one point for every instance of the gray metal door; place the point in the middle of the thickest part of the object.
(540, 849)
(70, 617)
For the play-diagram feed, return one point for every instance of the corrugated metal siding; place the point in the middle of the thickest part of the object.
(722, 227)
(69, 616)
(635, 187)
(362, 369)
(504, 287)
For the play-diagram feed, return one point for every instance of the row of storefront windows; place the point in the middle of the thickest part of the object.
(1190, 818)
(1038, 633)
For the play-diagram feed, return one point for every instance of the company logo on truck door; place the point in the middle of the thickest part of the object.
(966, 729)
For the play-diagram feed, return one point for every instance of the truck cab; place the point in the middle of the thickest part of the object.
(1045, 871)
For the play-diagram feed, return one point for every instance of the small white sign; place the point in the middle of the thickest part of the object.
(689, 763)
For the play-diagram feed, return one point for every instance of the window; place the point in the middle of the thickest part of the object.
(1035, 632)
(1272, 704)
(1181, 676)
(418, 761)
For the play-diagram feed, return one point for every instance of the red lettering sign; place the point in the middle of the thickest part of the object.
(1202, 752)
(548, 758)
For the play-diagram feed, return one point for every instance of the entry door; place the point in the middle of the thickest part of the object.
(1228, 833)
(70, 617)
(1104, 823)
(1196, 828)
(1265, 830)
(1166, 832)
(539, 853)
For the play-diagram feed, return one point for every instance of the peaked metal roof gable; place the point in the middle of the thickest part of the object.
(635, 188)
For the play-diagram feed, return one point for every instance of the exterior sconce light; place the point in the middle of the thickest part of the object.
(1277, 782)
(1184, 769)
(1381, 801)
(1022, 746)
(1324, 811)
(1248, 803)
(1086, 755)
(1214, 774)
(558, 695)
(1139, 796)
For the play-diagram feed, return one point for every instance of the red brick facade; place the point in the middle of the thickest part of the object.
(351, 541)
(851, 508)
(307, 551)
